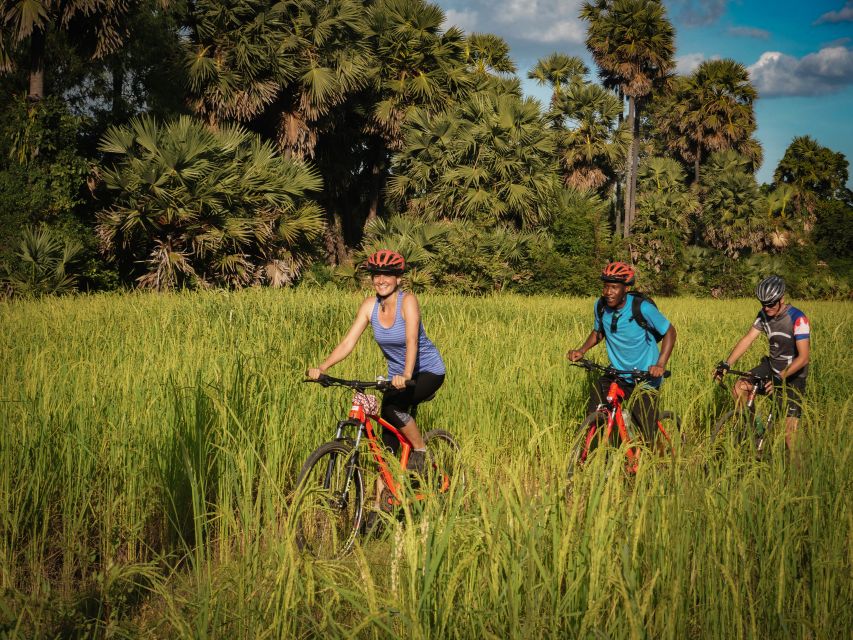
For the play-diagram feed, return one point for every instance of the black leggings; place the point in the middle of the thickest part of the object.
(400, 406)
(643, 404)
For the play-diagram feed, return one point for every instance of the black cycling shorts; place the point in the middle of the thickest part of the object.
(400, 406)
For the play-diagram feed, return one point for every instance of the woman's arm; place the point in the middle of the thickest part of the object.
(345, 347)
(412, 316)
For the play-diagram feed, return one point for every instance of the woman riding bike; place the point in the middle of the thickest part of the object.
(395, 317)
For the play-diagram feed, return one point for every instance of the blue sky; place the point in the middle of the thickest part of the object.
(799, 54)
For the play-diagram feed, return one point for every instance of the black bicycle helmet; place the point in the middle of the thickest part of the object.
(770, 290)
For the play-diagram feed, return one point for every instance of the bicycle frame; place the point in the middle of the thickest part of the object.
(613, 410)
(363, 421)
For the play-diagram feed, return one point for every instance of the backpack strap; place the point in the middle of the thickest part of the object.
(599, 311)
(637, 300)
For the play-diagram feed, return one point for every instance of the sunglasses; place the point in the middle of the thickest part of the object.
(771, 305)
(613, 320)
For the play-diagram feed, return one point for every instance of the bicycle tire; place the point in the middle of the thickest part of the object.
(740, 423)
(580, 451)
(444, 472)
(670, 423)
(329, 513)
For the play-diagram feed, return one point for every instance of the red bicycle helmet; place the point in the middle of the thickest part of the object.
(618, 272)
(386, 261)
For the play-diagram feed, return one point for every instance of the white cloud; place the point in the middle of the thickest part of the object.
(844, 14)
(465, 20)
(520, 21)
(827, 71)
(687, 64)
(749, 32)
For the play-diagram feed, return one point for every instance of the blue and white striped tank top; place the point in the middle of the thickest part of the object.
(393, 344)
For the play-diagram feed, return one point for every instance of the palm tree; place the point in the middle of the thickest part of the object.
(633, 44)
(489, 160)
(559, 72)
(710, 110)
(196, 207)
(45, 264)
(814, 171)
(32, 20)
(730, 200)
(591, 141)
(419, 67)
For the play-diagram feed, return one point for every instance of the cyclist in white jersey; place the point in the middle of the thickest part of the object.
(788, 332)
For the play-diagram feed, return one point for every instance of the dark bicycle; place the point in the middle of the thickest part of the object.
(746, 422)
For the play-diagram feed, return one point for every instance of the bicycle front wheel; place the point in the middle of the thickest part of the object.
(330, 500)
(592, 431)
(740, 426)
(444, 472)
(669, 436)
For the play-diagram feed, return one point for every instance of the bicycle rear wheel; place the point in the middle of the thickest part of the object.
(330, 500)
(444, 473)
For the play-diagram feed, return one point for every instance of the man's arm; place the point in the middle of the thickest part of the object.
(592, 339)
(666, 347)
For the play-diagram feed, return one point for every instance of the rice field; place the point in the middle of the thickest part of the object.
(149, 446)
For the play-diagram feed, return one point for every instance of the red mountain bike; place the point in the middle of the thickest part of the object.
(331, 484)
(609, 424)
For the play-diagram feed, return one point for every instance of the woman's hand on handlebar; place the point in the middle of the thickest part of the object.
(399, 382)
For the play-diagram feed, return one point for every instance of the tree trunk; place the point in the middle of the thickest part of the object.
(696, 162)
(377, 182)
(119, 112)
(333, 239)
(37, 43)
(630, 168)
(635, 160)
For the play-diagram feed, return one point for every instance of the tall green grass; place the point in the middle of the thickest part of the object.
(149, 446)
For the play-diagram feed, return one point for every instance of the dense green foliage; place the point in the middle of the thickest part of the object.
(150, 444)
(379, 111)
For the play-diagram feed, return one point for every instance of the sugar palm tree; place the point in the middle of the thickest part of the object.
(490, 160)
(730, 202)
(815, 172)
(591, 141)
(558, 71)
(632, 43)
(31, 20)
(710, 110)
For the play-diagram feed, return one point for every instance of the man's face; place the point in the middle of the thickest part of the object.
(771, 310)
(614, 294)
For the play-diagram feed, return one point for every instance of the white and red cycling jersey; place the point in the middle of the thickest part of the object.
(784, 331)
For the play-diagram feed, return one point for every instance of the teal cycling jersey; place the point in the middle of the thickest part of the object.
(629, 346)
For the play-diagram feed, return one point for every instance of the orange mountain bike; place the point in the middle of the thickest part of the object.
(331, 484)
(609, 424)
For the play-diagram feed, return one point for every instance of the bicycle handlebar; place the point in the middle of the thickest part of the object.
(747, 375)
(610, 370)
(359, 385)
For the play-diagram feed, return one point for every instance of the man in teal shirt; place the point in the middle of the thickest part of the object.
(630, 333)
